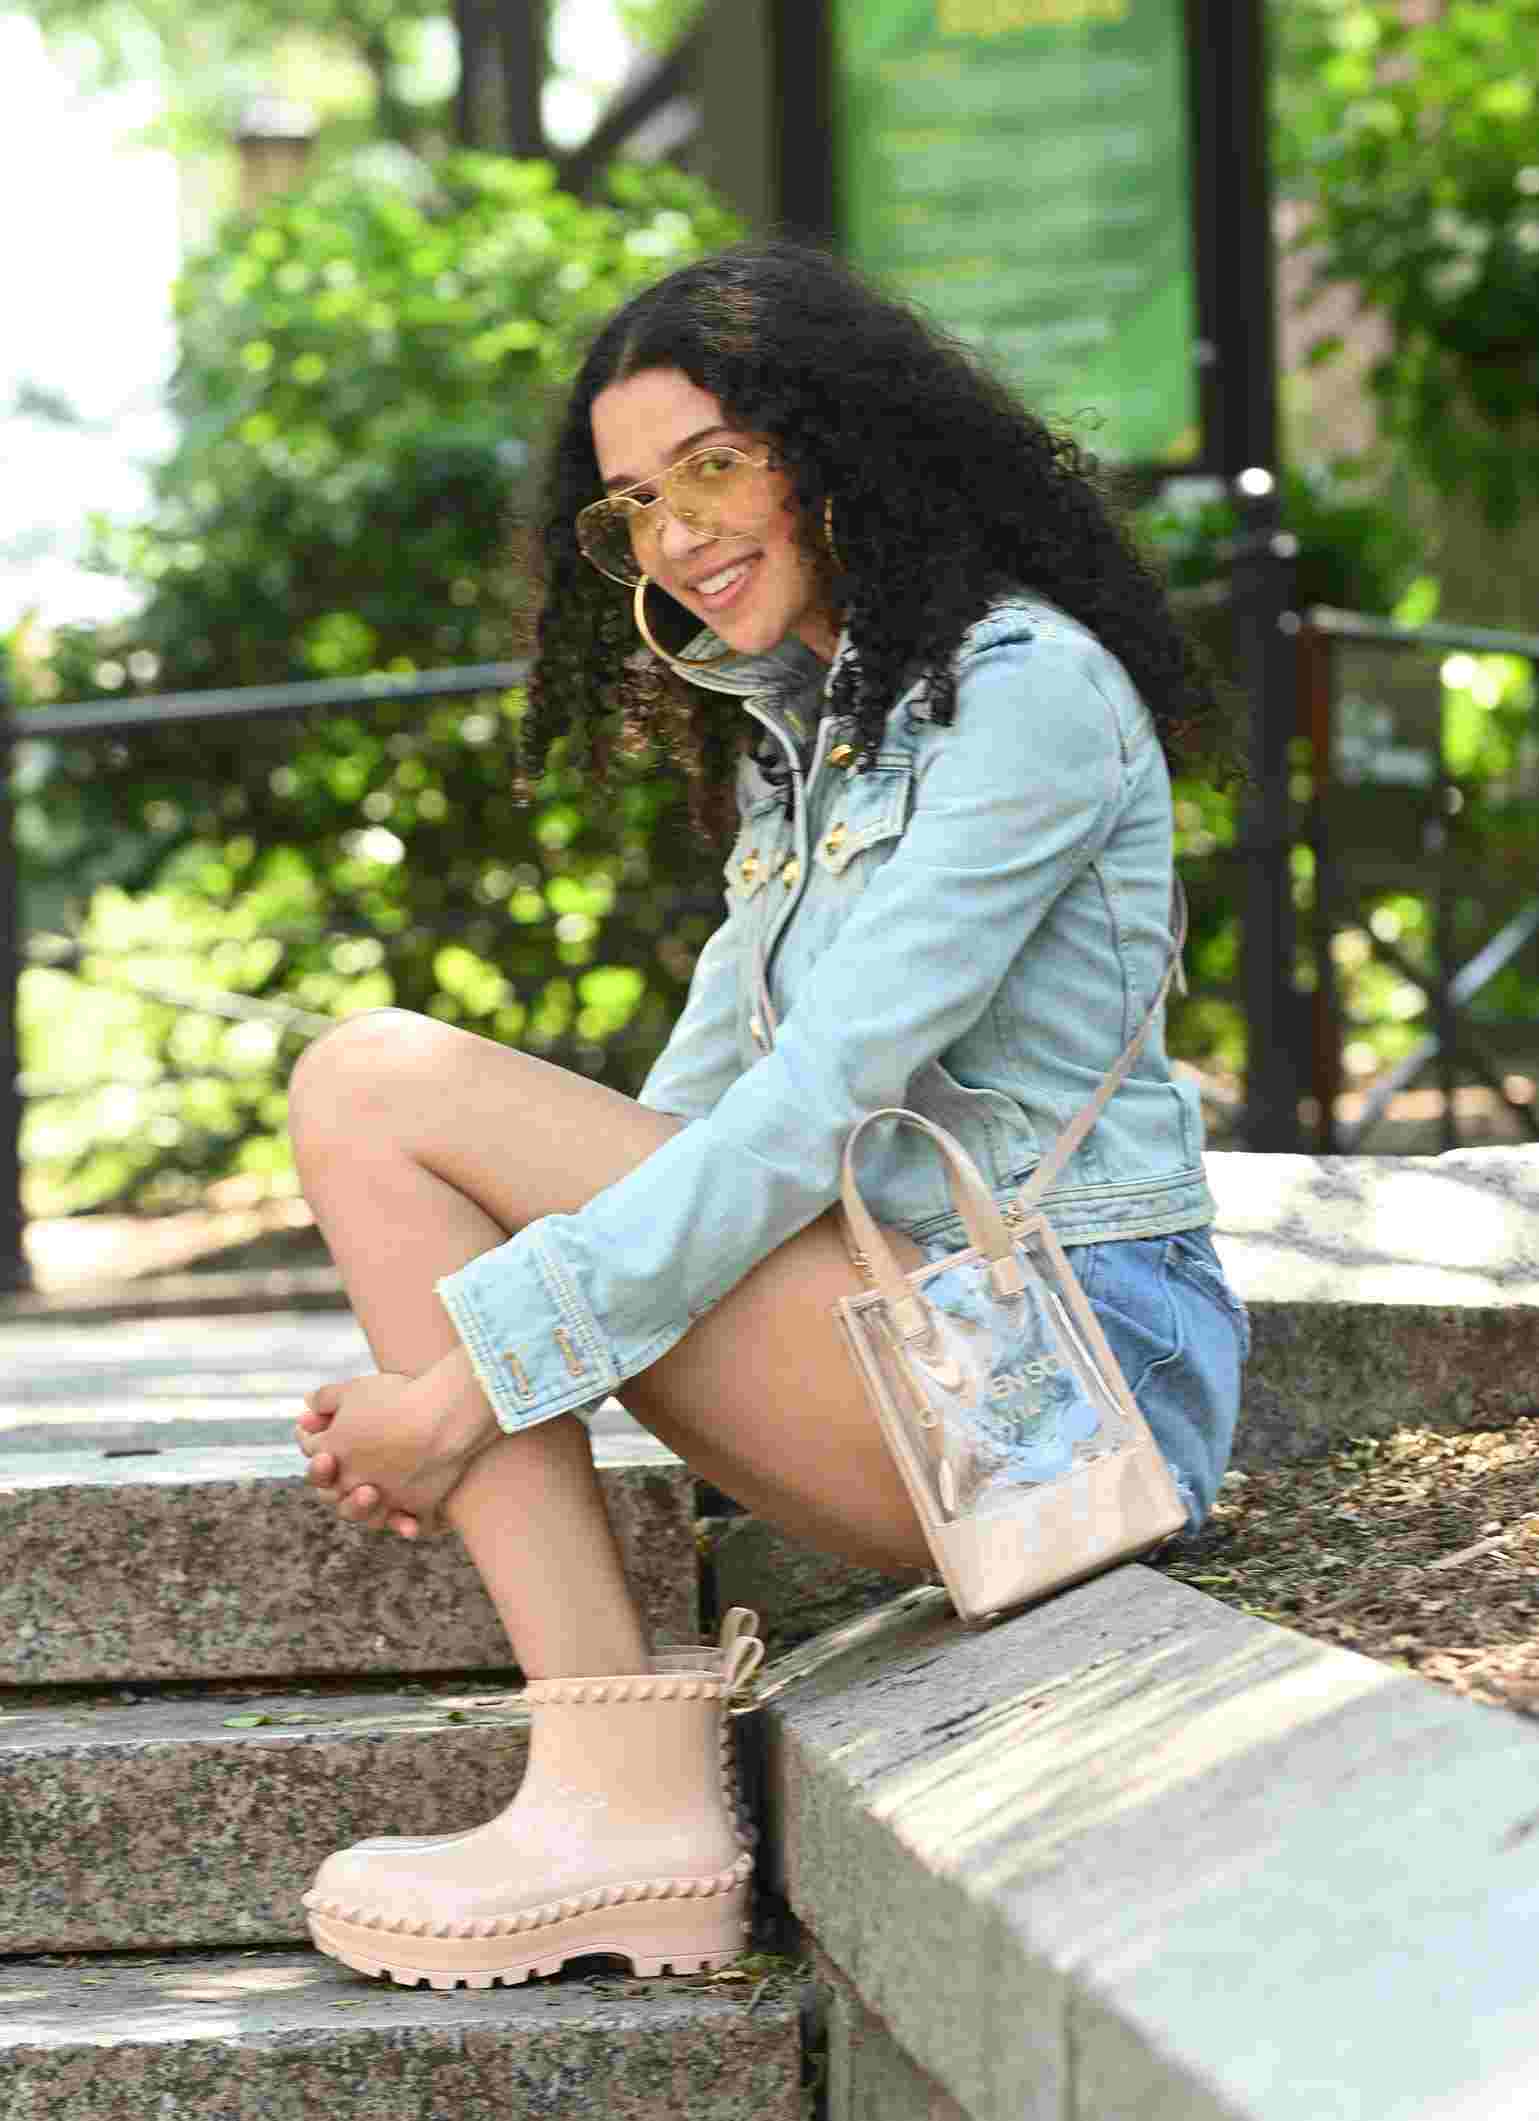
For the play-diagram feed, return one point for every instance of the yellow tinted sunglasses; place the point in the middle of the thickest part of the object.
(717, 491)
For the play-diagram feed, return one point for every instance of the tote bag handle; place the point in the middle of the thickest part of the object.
(986, 1228)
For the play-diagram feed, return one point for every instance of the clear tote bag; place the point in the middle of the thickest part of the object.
(1013, 1428)
(1012, 1425)
(1014, 1431)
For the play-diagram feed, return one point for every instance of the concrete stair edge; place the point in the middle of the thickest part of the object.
(1092, 1822)
(217, 1564)
(282, 2037)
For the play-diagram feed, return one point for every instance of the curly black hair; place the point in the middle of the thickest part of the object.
(946, 493)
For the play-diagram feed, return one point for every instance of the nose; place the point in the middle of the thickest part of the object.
(675, 540)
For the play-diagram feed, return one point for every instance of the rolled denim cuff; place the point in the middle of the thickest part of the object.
(535, 1347)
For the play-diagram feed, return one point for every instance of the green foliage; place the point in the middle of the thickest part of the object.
(364, 373)
(355, 62)
(1355, 552)
(659, 24)
(1414, 145)
(211, 911)
(363, 370)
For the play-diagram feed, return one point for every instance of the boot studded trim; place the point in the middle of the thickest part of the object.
(731, 1795)
(537, 1918)
(555, 1692)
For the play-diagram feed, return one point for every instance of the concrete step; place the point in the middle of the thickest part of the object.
(287, 2036)
(162, 1824)
(217, 1564)
(1383, 1290)
(1134, 1853)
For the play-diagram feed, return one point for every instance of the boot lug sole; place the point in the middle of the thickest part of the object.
(680, 1937)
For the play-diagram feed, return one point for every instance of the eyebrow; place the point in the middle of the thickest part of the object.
(630, 478)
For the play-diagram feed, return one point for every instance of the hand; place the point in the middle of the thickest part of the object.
(387, 1450)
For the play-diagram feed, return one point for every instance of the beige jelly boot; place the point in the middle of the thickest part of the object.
(622, 1839)
(739, 1624)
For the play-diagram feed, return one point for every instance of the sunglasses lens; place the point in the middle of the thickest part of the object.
(717, 493)
(720, 490)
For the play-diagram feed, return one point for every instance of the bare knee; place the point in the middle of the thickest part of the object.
(350, 1071)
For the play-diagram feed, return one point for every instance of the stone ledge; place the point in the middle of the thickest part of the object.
(1135, 1853)
(869, 2076)
(219, 1564)
(287, 2036)
(1456, 1230)
(1382, 1290)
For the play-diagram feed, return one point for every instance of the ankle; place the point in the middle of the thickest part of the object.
(616, 1654)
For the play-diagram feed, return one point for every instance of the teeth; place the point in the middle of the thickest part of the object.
(714, 582)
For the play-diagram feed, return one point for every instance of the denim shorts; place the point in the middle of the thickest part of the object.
(1181, 1336)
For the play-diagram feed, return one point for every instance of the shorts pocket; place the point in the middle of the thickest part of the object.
(1193, 1258)
(1178, 1334)
(1125, 1281)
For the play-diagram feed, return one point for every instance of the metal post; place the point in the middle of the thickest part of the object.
(1265, 626)
(801, 36)
(14, 1270)
(1316, 671)
(733, 79)
(1236, 298)
(1436, 836)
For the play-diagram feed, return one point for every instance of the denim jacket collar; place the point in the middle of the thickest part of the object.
(762, 681)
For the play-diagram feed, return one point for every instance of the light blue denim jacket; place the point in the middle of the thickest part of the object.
(973, 926)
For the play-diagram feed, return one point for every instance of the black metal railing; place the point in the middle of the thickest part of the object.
(1389, 820)
(109, 719)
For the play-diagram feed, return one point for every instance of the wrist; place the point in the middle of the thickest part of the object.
(464, 1414)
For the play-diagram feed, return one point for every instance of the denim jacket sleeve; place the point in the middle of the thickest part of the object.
(701, 1059)
(1011, 800)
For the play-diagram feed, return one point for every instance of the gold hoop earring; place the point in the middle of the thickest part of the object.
(676, 663)
(828, 533)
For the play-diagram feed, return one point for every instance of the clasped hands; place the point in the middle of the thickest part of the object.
(387, 1450)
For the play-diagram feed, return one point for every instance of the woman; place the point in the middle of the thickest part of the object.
(944, 687)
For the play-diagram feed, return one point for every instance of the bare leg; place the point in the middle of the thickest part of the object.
(421, 1146)
(529, 1510)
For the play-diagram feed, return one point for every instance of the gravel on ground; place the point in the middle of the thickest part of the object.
(1416, 1548)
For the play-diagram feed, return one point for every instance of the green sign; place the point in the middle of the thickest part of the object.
(1021, 169)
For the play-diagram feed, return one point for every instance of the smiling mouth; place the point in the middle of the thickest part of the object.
(713, 588)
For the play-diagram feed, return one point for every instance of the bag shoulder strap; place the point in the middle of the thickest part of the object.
(1057, 1156)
